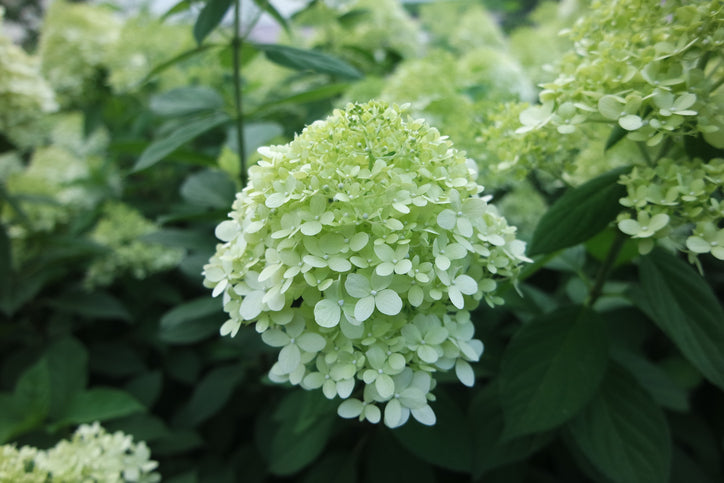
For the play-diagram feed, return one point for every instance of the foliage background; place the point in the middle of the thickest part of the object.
(109, 202)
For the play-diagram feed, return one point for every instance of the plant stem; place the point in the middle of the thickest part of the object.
(606, 268)
(237, 44)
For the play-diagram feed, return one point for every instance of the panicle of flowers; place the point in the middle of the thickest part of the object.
(91, 454)
(357, 249)
(75, 41)
(25, 96)
(460, 26)
(121, 230)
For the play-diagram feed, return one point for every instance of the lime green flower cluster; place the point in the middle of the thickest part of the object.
(24, 95)
(120, 230)
(143, 43)
(357, 249)
(75, 41)
(460, 26)
(653, 67)
(92, 454)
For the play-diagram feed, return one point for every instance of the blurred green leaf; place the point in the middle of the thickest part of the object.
(178, 441)
(96, 305)
(32, 393)
(178, 7)
(447, 444)
(308, 60)
(5, 270)
(579, 214)
(210, 17)
(68, 365)
(191, 321)
(179, 58)
(267, 7)
(387, 462)
(297, 433)
(683, 305)
(186, 100)
(146, 388)
(210, 394)
(334, 467)
(489, 449)
(313, 95)
(210, 188)
(191, 239)
(551, 369)
(99, 404)
(623, 433)
(161, 148)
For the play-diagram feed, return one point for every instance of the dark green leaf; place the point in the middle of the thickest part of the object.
(309, 60)
(489, 449)
(312, 95)
(68, 365)
(274, 13)
(5, 269)
(683, 305)
(186, 100)
(297, 433)
(179, 58)
(617, 134)
(210, 394)
(209, 18)
(210, 188)
(551, 369)
(180, 441)
(191, 239)
(115, 359)
(651, 377)
(334, 467)
(579, 214)
(387, 462)
(161, 148)
(143, 427)
(447, 444)
(179, 7)
(146, 387)
(623, 433)
(191, 321)
(95, 305)
(32, 392)
(99, 404)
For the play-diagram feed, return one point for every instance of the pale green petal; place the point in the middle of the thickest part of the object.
(372, 414)
(456, 297)
(376, 356)
(315, 261)
(388, 302)
(416, 296)
(313, 380)
(357, 285)
(345, 388)
(447, 219)
(384, 252)
(718, 252)
(311, 342)
(465, 228)
(436, 335)
(697, 244)
(252, 305)
(466, 284)
(351, 408)
(442, 262)
(332, 243)
(385, 386)
(275, 200)
(403, 267)
(393, 413)
(311, 228)
(630, 122)
(327, 313)
(339, 264)
(275, 338)
(227, 230)
(658, 221)
(396, 361)
(230, 327)
(359, 241)
(329, 389)
(364, 308)
(465, 372)
(424, 415)
(413, 398)
(385, 269)
(289, 358)
(629, 226)
(427, 354)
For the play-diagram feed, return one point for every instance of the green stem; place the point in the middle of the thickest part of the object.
(606, 268)
(237, 44)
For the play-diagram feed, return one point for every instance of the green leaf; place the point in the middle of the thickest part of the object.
(210, 394)
(146, 387)
(617, 134)
(312, 95)
(210, 188)
(274, 13)
(308, 60)
(116, 359)
(191, 239)
(579, 214)
(186, 100)
(179, 7)
(209, 18)
(187, 54)
(683, 305)
(255, 134)
(99, 404)
(623, 433)
(191, 321)
(447, 444)
(5, 270)
(32, 393)
(551, 369)
(296, 434)
(161, 148)
(387, 462)
(489, 449)
(68, 365)
(95, 305)
(335, 467)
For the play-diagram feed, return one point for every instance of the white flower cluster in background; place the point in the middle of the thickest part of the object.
(358, 249)
(92, 454)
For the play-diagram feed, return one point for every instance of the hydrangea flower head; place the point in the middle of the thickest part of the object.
(356, 249)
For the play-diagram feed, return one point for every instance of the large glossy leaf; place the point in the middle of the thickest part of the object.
(210, 17)
(186, 100)
(579, 214)
(447, 444)
(210, 188)
(551, 369)
(623, 433)
(211, 393)
(683, 305)
(161, 148)
(308, 60)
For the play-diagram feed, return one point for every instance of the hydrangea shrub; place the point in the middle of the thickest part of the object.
(358, 249)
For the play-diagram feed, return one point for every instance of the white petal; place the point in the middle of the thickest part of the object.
(327, 313)
(252, 305)
(393, 413)
(364, 308)
(311, 342)
(465, 373)
(357, 285)
(385, 386)
(388, 302)
(311, 228)
(447, 219)
(466, 284)
(425, 415)
(289, 358)
(351, 408)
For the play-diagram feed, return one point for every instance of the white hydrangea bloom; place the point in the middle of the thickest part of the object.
(351, 248)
